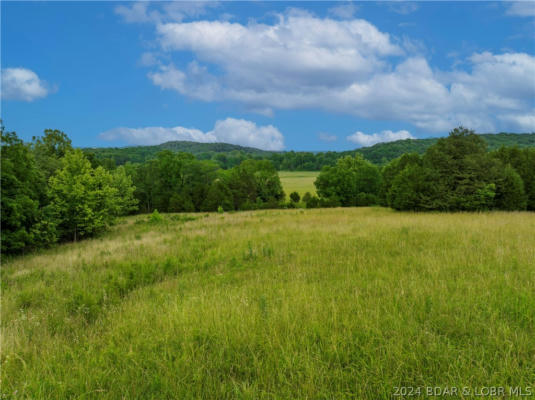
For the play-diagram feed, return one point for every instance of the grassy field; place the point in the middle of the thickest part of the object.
(298, 181)
(282, 304)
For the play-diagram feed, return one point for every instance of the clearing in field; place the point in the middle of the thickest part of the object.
(298, 181)
(280, 304)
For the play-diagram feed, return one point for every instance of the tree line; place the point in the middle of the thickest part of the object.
(228, 155)
(52, 192)
(457, 173)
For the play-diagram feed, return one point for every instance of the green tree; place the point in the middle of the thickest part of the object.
(391, 170)
(464, 170)
(523, 161)
(83, 200)
(306, 197)
(49, 149)
(22, 221)
(313, 202)
(353, 181)
(126, 202)
(144, 177)
(510, 194)
(294, 196)
(198, 178)
(415, 189)
(219, 195)
(253, 183)
(170, 179)
(180, 202)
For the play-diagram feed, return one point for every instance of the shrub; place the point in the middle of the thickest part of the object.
(313, 202)
(155, 217)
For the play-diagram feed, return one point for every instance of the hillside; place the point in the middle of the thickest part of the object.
(279, 304)
(228, 155)
(122, 155)
(384, 152)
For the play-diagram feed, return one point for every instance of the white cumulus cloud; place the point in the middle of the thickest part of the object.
(363, 139)
(346, 66)
(300, 51)
(230, 130)
(22, 84)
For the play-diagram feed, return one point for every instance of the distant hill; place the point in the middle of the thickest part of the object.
(134, 154)
(228, 155)
(197, 148)
(381, 153)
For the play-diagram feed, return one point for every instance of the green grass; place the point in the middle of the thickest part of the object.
(298, 181)
(282, 304)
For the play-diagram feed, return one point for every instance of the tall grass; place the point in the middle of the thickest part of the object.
(281, 304)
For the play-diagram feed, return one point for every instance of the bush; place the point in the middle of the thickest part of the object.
(313, 202)
(294, 197)
(329, 202)
(155, 217)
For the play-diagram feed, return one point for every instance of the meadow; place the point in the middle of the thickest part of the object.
(298, 181)
(280, 304)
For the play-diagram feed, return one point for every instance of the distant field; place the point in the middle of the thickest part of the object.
(281, 304)
(300, 182)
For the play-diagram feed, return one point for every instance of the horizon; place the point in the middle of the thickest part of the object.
(317, 76)
(299, 151)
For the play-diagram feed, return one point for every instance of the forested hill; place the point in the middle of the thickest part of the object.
(121, 155)
(381, 153)
(229, 155)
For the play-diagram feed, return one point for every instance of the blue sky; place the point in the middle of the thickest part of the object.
(275, 75)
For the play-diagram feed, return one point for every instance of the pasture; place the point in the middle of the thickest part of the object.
(279, 304)
(298, 181)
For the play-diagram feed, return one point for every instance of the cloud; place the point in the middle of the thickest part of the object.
(522, 9)
(299, 49)
(230, 130)
(344, 66)
(22, 84)
(156, 135)
(326, 137)
(522, 122)
(344, 11)
(148, 59)
(402, 7)
(137, 12)
(363, 139)
(286, 63)
(142, 12)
